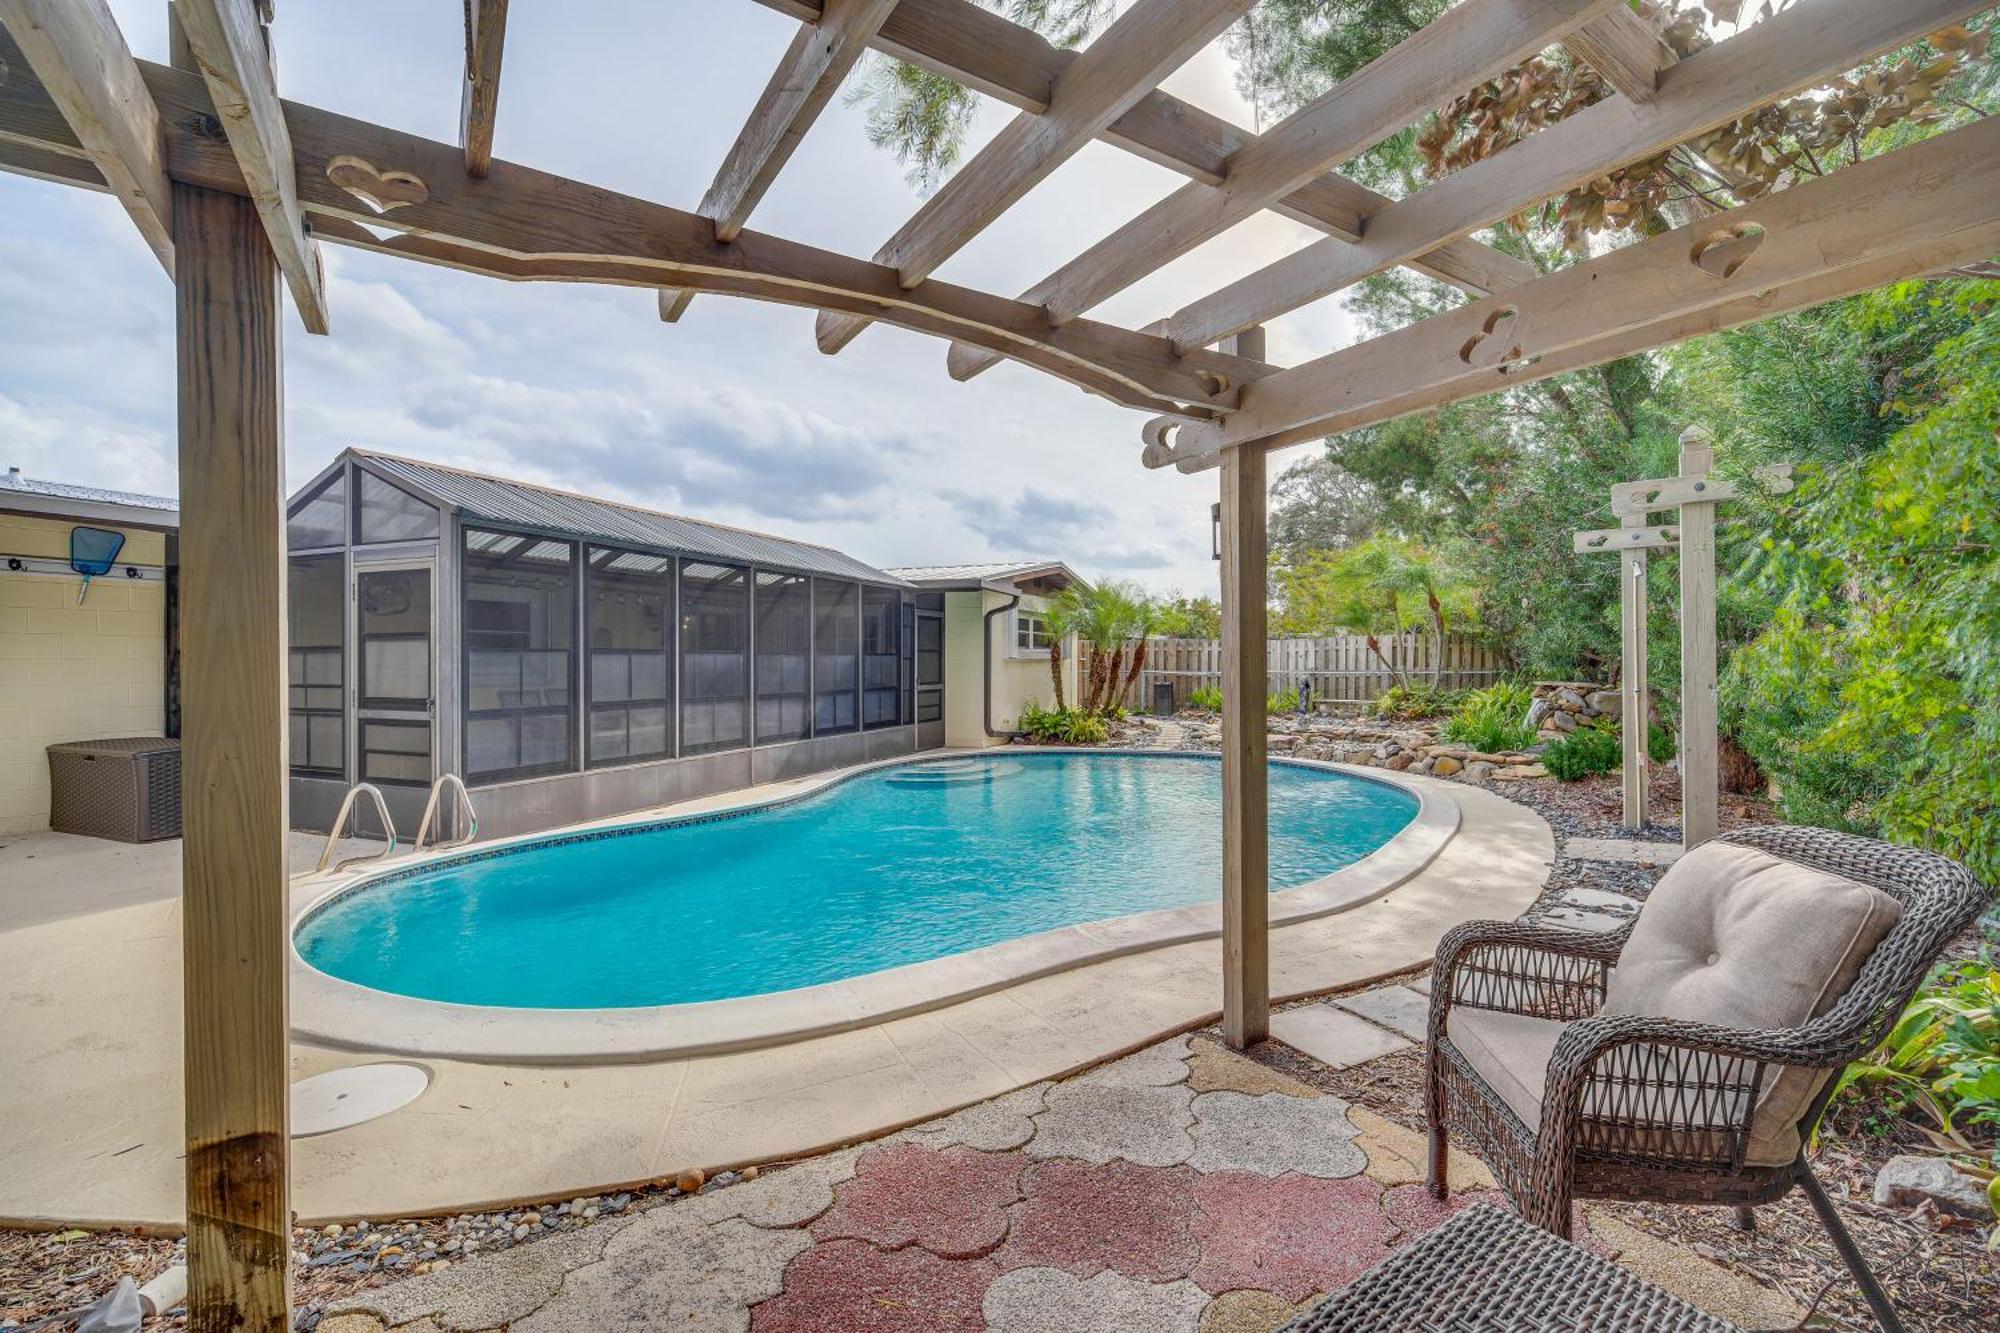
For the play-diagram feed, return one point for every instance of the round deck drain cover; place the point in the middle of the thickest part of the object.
(341, 1098)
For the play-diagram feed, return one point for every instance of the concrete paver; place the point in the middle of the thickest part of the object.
(1395, 1007)
(1332, 1036)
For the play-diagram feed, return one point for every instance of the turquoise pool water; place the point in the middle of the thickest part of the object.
(896, 866)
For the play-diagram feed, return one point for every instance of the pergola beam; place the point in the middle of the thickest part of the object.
(978, 48)
(77, 52)
(807, 76)
(1789, 51)
(1933, 203)
(1463, 47)
(479, 101)
(1147, 43)
(1625, 52)
(229, 41)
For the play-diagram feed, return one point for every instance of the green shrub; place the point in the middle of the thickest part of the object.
(1587, 750)
(1405, 702)
(1492, 719)
(1943, 1054)
(1285, 701)
(1208, 698)
(1659, 743)
(1063, 726)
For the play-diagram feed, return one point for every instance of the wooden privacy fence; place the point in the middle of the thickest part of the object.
(1340, 666)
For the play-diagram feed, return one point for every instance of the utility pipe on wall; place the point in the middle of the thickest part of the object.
(986, 708)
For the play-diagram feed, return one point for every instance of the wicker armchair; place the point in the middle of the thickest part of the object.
(1644, 1108)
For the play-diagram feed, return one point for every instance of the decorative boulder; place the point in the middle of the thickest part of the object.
(1569, 700)
(1537, 710)
(1444, 765)
(1564, 722)
(1478, 771)
(1907, 1180)
(1605, 703)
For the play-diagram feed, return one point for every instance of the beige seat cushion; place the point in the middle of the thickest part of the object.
(1732, 936)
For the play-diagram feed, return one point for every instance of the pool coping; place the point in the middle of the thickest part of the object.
(338, 1013)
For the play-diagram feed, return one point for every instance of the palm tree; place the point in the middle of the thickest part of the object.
(1059, 618)
(1143, 623)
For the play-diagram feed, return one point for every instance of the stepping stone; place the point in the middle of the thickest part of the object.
(1623, 849)
(1332, 1037)
(1573, 918)
(1599, 900)
(1274, 1135)
(1397, 1007)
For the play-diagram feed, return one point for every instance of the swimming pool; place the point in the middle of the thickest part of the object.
(894, 866)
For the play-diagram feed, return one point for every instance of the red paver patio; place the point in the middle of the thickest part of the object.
(854, 1287)
(1083, 1219)
(952, 1203)
(1291, 1236)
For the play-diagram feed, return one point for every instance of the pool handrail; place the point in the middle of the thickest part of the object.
(340, 822)
(430, 810)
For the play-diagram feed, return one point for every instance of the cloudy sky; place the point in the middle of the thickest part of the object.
(732, 414)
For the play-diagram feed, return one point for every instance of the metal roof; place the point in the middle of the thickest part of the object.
(965, 576)
(519, 503)
(63, 490)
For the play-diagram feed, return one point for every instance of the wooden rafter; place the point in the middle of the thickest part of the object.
(228, 39)
(807, 76)
(1147, 43)
(1625, 51)
(479, 103)
(76, 51)
(526, 224)
(978, 48)
(1789, 51)
(1916, 210)
(1464, 47)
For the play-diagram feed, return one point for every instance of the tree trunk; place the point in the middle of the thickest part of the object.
(1055, 671)
(1132, 672)
(1112, 675)
(1375, 647)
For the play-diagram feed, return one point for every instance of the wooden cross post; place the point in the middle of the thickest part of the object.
(1698, 739)
(1246, 888)
(1694, 494)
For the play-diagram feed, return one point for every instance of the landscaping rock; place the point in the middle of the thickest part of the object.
(1569, 701)
(1519, 772)
(1605, 703)
(1537, 710)
(1479, 770)
(1444, 765)
(1908, 1180)
(1564, 722)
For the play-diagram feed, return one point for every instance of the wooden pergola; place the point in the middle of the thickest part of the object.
(235, 189)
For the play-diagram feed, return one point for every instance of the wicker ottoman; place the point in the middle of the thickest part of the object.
(1487, 1271)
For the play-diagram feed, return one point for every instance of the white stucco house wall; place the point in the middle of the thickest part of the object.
(995, 646)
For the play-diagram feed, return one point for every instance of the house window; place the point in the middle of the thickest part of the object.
(630, 685)
(390, 514)
(316, 653)
(784, 657)
(836, 657)
(715, 658)
(881, 662)
(1031, 634)
(520, 655)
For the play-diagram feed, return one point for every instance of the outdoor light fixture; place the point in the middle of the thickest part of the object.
(1215, 529)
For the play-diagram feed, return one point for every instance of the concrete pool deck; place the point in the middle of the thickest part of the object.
(90, 1034)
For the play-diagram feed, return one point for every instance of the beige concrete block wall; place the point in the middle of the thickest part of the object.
(70, 672)
(1016, 680)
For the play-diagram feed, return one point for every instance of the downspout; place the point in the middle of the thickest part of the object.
(986, 708)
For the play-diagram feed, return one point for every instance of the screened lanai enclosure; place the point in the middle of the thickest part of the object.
(234, 190)
(570, 658)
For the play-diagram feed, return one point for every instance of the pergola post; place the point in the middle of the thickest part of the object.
(1246, 903)
(1632, 670)
(1698, 724)
(232, 547)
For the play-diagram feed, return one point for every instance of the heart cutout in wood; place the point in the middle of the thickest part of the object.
(1721, 253)
(380, 190)
(1490, 346)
